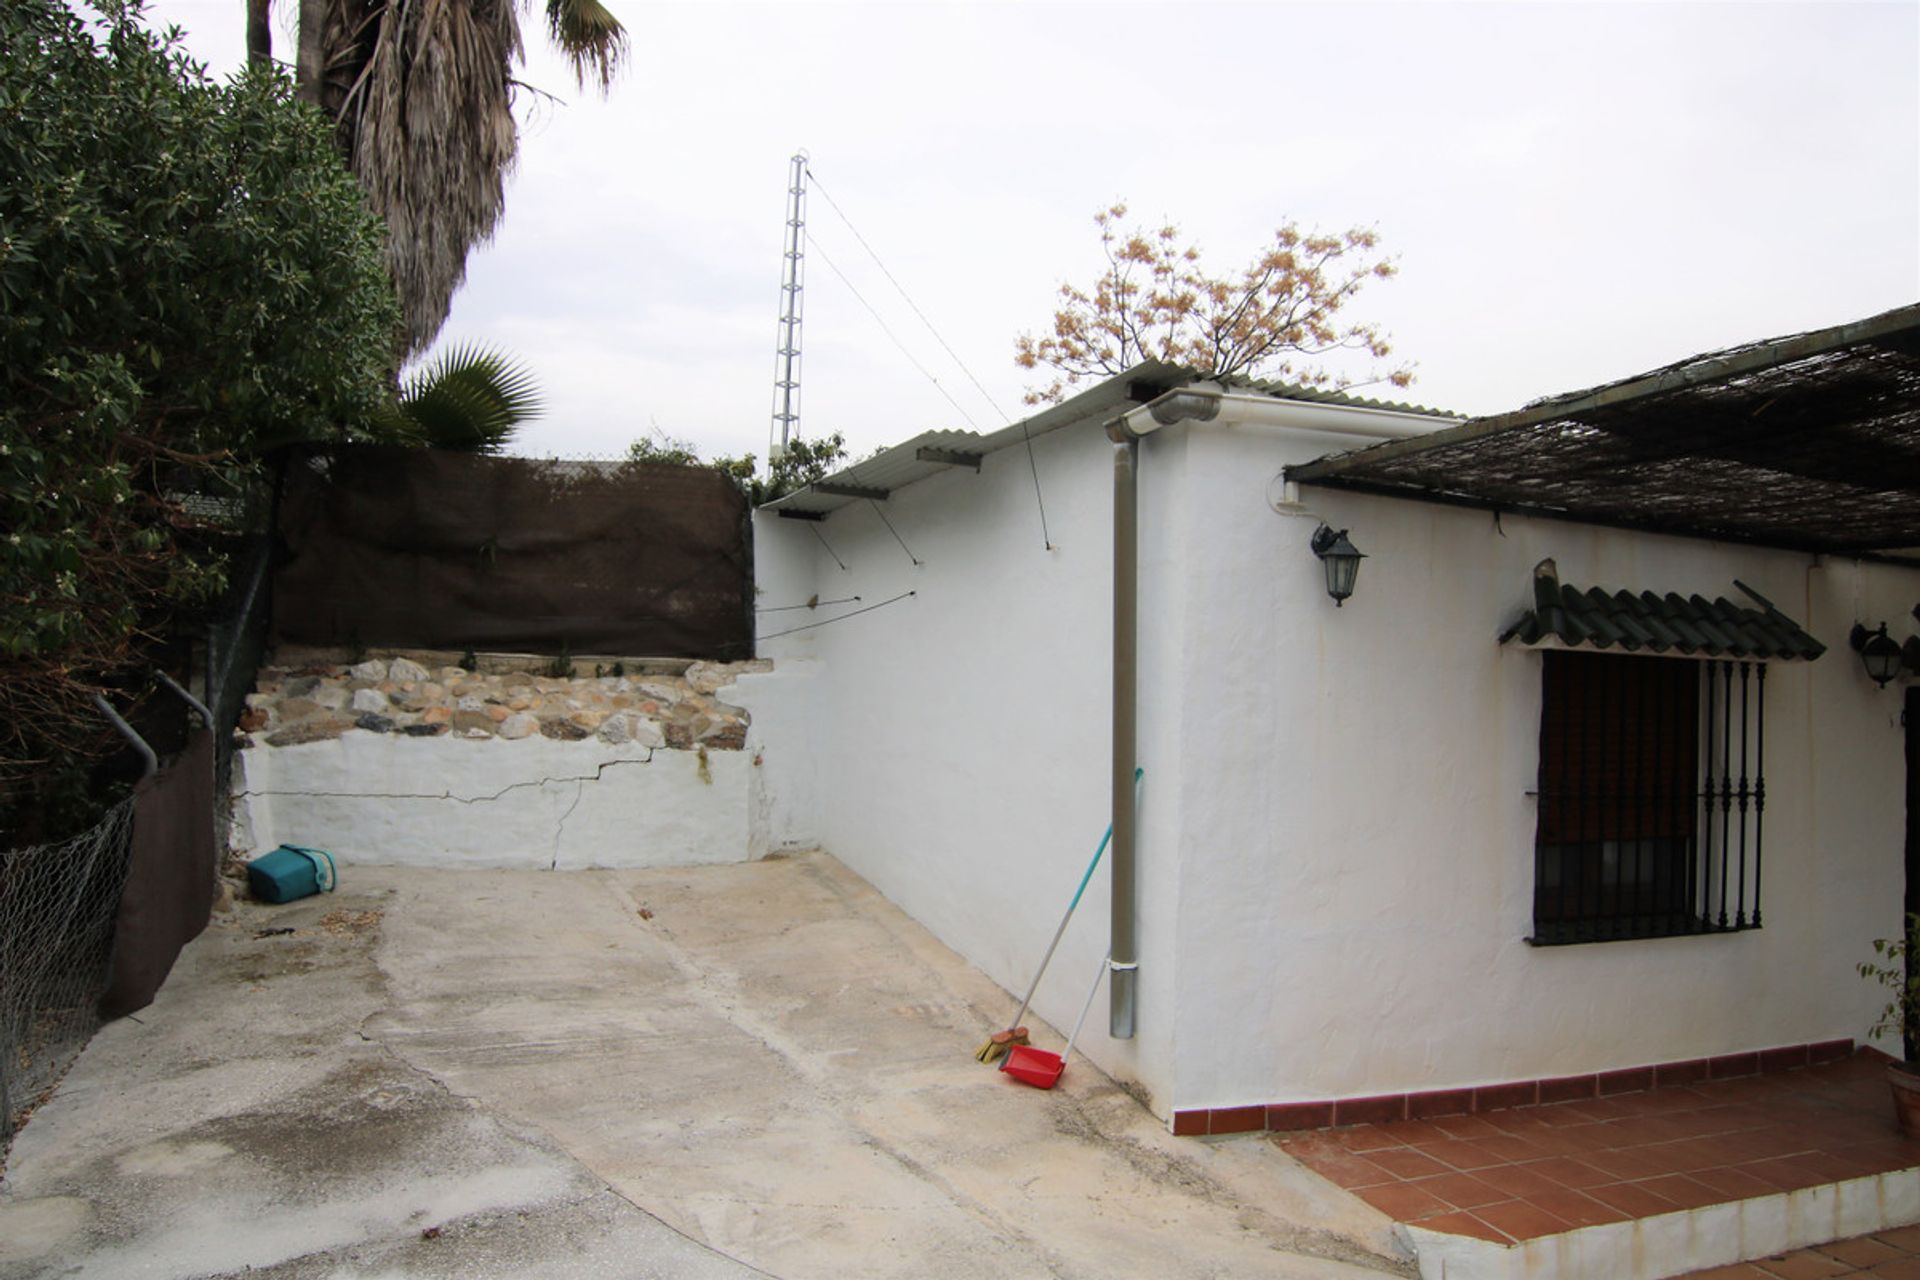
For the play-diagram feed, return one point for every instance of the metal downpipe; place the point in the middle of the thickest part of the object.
(1123, 966)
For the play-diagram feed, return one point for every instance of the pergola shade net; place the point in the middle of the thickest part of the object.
(1808, 443)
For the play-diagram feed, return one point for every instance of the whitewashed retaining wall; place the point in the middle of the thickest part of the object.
(390, 764)
(1336, 838)
(537, 803)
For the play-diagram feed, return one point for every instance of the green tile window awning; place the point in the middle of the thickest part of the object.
(1568, 617)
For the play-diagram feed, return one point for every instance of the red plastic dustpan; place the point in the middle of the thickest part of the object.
(1041, 1068)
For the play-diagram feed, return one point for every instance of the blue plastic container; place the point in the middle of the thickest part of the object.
(291, 872)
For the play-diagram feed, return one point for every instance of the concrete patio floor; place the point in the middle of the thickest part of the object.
(762, 1069)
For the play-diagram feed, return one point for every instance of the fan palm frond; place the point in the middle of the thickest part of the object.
(594, 42)
(468, 398)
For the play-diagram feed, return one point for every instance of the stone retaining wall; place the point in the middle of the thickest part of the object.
(313, 703)
(406, 762)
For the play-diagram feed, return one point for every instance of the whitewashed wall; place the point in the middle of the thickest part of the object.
(1336, 838)
(1356, 844)
(383, 799)
(961, 735)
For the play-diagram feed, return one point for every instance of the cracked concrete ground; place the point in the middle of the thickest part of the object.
(759, 1069)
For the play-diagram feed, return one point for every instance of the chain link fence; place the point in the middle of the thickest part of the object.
(57, 904)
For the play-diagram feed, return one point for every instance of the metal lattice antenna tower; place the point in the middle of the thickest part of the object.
(786, 356)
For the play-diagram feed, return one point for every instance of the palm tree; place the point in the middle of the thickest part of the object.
(421, 92)
(468, 398)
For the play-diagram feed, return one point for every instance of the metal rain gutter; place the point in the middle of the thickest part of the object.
(1126, 431)
(1188, 404)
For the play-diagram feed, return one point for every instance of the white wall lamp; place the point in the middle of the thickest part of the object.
(1879, 653)
(1341, 560)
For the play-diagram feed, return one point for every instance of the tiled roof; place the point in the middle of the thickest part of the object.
(1598, 619)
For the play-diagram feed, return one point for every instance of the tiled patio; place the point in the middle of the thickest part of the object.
(1890, 1255)
(1511, 1178)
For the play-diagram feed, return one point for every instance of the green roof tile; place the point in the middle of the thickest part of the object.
(1598, 619)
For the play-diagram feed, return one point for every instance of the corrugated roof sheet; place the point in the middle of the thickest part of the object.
(1690, 625)
(902, 465)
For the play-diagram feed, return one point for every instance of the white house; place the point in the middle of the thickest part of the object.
(1379, 843)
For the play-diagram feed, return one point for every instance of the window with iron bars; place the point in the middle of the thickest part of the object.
(1651, 796)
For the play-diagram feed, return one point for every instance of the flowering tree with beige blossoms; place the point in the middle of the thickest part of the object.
(1275, 318)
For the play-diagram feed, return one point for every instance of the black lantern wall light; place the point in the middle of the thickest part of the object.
(1340, 558)
(1884, 657)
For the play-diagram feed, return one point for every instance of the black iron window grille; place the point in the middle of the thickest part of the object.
(1651, 796)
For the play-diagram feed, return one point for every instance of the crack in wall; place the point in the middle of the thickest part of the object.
(560, 827)
(582, 779)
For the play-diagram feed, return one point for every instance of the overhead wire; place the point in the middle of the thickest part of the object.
(1026, 435)
(854, 613)
(888, 330)
(906, 297)
(811, 604)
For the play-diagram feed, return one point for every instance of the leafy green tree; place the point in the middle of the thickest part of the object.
(803, 462)
(188, 277)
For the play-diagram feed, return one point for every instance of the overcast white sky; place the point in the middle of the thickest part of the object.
(1575, 192)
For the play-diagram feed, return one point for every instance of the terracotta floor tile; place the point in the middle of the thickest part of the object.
(1572, 1140)
(1633, 1199)
(1569, 1173)
(1512, 1148)
(1462, 1190)
(1516, 1179)
(1802, 1264)
(1521, 1220)
(1684, 1192)
(1734, 1184)
(1738, 1271)
(1363, 1137)
(1298, 1145)
(1713, 1120)
(1757, 1144)
(1691, 1155)
(1415, 1132)
(1466, 1224)
(1403, 1202)
(1643, 1131)
(1863, 1251)
(1406, 1162)
(1464, 1126)
(1630, 1164)
(1907, 1238)
(1346, 1170)
(1899, 1269)
(1462, 1154)
(1783, 1174)
(1518, 1120)
(1576, 1208)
